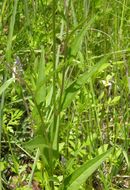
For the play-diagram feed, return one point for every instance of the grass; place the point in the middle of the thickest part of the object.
(64, 87)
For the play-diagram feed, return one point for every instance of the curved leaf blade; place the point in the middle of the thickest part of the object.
(79, 176)
(5, 85)
(73, 88)
(41, 81)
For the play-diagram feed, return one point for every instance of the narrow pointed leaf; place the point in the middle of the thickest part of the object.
(5, 85)
(37, 142)
(40, 85)
(77, 42)
(79, 176)
(72, 90)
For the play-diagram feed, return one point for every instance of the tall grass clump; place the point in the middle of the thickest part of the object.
(64, 88)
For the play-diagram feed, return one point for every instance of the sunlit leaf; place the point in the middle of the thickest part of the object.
(79, 176)
(76, 44)
(115, 100)
(40, 85)
(72, 90)
(5, 85)
(36, 142)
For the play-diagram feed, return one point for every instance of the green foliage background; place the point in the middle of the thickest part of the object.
(64, 89)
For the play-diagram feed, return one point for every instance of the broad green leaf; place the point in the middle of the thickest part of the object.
(40, 85)
(5, 85)
(72, 90)
(39, 142)
(46, 150)
(79, 176)
(36, 142)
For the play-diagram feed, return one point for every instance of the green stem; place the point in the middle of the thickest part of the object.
(11, 30)
(54, 62)
(53, 144)
(1, 125)
(34, 166)
(65, 53)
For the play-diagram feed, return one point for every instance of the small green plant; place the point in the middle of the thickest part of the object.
(64, 90)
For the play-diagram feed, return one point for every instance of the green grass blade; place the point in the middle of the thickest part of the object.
(40, 85)
(5, 85)
(11, 30)
(79, 176)
(34, 167)
(76, 44)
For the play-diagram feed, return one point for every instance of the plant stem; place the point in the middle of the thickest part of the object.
(34, 166)
(1, 125)
(54, 62)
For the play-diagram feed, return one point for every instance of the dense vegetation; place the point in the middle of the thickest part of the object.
(64, 94)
